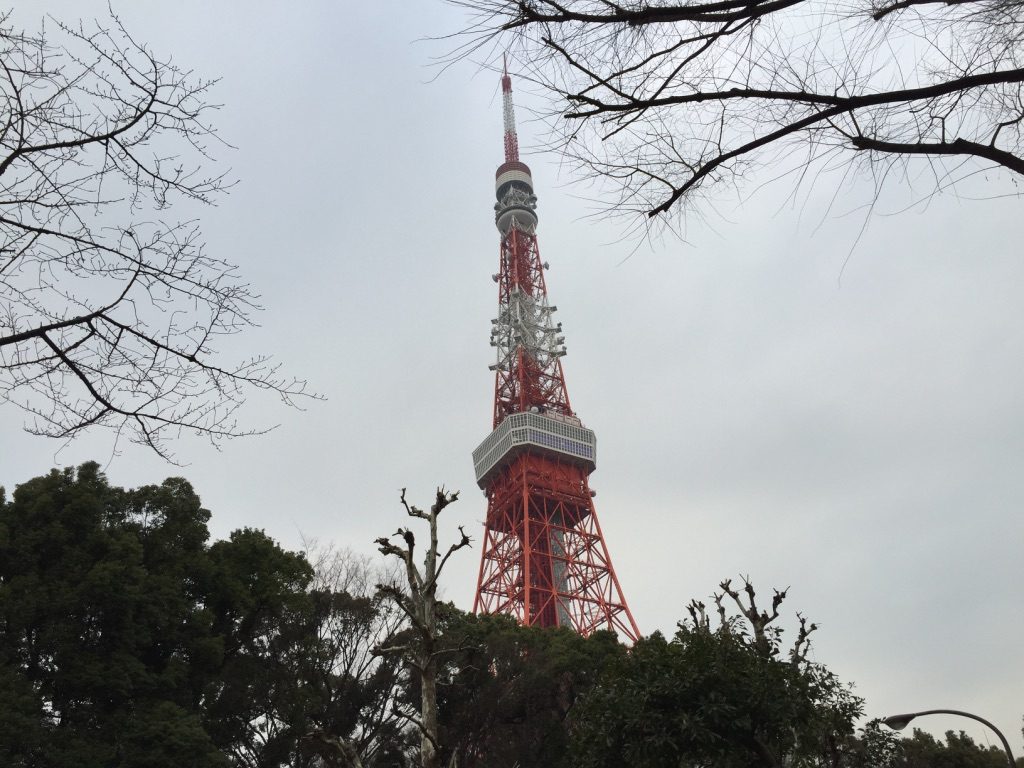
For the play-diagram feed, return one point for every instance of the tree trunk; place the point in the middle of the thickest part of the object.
(419, 602)
(429, 757)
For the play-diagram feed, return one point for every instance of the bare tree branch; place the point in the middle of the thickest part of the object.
(670, 100)
(109, 313)
(418, 600)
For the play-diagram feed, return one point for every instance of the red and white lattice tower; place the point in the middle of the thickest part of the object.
(544, 559)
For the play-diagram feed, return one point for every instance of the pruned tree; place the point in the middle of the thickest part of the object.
(670, 99)
(753, 620)
(720, 692)
(422, 647)
(111, 310)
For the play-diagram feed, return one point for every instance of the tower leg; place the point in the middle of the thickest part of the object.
(544, 559)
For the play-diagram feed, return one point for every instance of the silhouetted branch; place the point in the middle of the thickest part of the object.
(418, 600)
(668, 99)
(109, 313)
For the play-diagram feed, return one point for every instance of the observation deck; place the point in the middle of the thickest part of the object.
(557, 436)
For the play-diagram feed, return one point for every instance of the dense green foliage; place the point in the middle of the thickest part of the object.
(922, 750)
(508, 690)
(129, 640)
(711, 698)
(106, 639)
(126, 639)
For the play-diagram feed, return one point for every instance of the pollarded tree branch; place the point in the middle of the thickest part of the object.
(419, 602)
(798, 653)
(412, 510)
(758, 619)
(756, 627)
(464, 541)
(698, 615)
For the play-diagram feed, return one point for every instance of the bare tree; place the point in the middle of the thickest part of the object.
(417, 598)
(354, 621)
(110, 312)
(667, 99)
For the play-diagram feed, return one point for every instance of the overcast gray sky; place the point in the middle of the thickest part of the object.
(853, 432)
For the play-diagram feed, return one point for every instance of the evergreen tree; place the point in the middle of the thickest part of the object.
(507, 691)
(128, 640)
(720, 694)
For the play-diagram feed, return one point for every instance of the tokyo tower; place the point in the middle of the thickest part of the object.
(544, 559)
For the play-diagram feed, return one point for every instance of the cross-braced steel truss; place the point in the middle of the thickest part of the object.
(544, 559)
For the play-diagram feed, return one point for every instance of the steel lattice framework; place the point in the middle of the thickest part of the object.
(544, 559)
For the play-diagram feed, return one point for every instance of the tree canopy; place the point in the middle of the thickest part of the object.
(720, 692)
(922, 750)
(508, 692)
(128, 639)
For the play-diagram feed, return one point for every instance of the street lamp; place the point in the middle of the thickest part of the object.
(899, 722)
